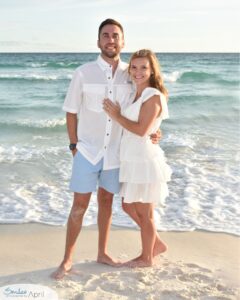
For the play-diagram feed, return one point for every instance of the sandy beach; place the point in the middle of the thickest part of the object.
(198, 265)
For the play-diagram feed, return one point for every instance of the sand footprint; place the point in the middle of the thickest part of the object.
(194, 266)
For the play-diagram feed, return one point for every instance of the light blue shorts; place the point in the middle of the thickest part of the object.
(86, 176)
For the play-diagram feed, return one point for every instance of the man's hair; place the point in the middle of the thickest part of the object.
(109, 22)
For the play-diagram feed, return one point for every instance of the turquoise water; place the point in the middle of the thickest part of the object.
(201, 141)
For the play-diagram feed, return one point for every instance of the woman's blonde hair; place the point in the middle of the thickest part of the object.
(156, 80)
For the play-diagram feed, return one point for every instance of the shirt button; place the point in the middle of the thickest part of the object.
(107, 134)
(109, 77)
(109, 120)
(105, 147)
(110, 92)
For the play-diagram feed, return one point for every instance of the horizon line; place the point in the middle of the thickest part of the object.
(127, 52)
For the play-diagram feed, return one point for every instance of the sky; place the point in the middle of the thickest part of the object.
(161, 25)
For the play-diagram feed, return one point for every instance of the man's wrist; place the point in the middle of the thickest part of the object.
(73, 146)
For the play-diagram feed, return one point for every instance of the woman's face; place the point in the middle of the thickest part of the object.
(140, 70)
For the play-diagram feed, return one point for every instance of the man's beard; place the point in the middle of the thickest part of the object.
(110, 54)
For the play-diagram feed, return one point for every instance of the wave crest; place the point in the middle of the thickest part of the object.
(36, 124)
(196, 76)
(50, 65)
(37, 77)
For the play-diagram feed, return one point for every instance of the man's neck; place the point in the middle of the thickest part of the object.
(112, 61)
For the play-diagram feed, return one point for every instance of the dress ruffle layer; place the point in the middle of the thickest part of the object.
(146, 171)
(146, 193)
(145, 181)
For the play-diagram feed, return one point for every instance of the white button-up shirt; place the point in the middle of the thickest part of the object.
(98, 135)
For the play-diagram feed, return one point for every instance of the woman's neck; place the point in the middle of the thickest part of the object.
(140, 89)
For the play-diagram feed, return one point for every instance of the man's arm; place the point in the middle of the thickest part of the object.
(72, 129)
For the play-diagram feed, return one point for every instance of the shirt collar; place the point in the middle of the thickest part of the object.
(105, 65)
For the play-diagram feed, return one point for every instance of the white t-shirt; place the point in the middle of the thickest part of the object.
(98, 135)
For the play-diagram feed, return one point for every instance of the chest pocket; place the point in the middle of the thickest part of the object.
(93, 95)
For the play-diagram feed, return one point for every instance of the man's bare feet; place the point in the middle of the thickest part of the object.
(62, 270)
(106, 259)
(159, 247)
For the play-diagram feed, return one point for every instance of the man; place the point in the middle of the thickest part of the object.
(95, 139)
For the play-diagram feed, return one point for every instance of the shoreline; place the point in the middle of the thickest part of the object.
(210, 260)
(119, 227)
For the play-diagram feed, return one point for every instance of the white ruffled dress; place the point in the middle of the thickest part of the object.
(144, 172)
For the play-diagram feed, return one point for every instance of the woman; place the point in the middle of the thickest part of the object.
(143, 170)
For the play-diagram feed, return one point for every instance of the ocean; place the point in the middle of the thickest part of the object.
(201, 141)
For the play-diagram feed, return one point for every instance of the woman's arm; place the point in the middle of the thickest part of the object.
(149, 111)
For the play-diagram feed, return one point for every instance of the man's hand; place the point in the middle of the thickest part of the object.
(156, 137)
(74, 152)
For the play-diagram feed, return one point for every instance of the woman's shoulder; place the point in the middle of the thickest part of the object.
(149, 92)
(156, 95)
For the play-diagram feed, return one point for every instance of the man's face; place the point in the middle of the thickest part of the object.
(111, 41)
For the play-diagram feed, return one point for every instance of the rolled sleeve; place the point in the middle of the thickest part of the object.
(73, 98)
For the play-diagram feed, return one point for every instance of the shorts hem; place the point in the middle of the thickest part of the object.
(109, 189)
(74, 190)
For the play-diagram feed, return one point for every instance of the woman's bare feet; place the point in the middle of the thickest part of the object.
(62, 270)
(107, 260)
(138, 262)
(159, 247)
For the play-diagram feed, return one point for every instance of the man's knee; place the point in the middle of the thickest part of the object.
(105, 198)
(78, 210)
(105, 204)
(77, 213)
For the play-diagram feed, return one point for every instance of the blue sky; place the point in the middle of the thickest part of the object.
(163, 26)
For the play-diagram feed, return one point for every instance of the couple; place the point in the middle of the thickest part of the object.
(95, 128)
